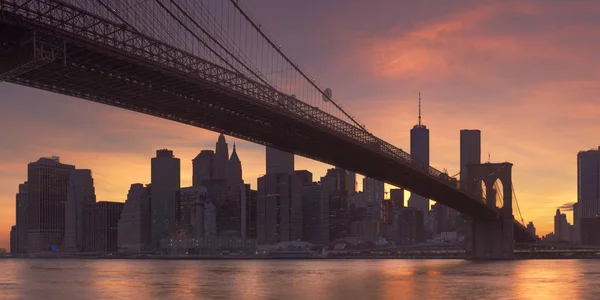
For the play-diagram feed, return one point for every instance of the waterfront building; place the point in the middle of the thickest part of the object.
(102, 223)
(133, 229)
(21, 216)
(47, 188)
(165, 175)
(81, 193)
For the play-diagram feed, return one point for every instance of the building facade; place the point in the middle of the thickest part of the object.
(419, 150)
(81, 193)
(102, 225)
(315, 213)
(47, 188)
(588, 187)
(165, 174)
(133, 229)
(21, 216)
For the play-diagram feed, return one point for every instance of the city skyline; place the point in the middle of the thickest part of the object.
(117, 144)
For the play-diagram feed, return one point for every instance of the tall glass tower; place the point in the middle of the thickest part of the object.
(419, 149)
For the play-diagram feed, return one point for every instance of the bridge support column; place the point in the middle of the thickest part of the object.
(485, 237)
(489, 238)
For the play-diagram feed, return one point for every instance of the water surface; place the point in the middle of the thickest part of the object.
(298, 279)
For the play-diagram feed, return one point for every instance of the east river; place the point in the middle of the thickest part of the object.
(298, 279)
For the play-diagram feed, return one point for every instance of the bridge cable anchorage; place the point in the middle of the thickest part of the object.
(260, 30)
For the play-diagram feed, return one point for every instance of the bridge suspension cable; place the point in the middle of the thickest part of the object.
(517, 202)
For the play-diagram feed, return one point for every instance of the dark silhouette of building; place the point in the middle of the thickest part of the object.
(397, 197)
(134, 224)
(419, 150)
(279, 201)
(315, 212)
(250, 213)
(408, 227)
(531, 227)
(339, 222)
(81, 193)
(221, 158)
(21, 216)
(13, 240)
(48, 182)
(234, 171)
(165, 184)
(229, 213)
(590, 231)
(102, 223)
(588, 188)
(203, 168)
(562, 228)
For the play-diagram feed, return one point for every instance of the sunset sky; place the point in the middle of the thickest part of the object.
(526, 73)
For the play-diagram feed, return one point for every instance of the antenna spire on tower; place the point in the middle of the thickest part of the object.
(419, 108)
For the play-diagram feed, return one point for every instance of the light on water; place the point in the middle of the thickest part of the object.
(298, 279)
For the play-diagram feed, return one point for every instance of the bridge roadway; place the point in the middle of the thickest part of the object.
(57, 47)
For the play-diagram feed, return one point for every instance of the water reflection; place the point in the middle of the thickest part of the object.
(302, 279)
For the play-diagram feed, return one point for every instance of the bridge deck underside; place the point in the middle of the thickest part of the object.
(112, 78)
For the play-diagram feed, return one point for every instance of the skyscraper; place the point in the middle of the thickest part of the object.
(419, 150)
(221, 158)
(234, 171)
(561, 227)
(588, 188)
(336, 184)
(279, 200)
(134, 224)
(22, 227)
(203, 167)
(470, 153)
(13, 240)
(279, 162)
(48, 182)
(315, 212)
(102, 223)
(81, 194)
(374, 193)
(165, 184)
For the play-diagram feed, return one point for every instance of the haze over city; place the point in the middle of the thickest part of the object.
(525, 74)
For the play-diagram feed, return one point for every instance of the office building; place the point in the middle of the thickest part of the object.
(590, 231)
(315, 212)
(397, 197)
(229, 213)
(279, 162)
(374, 194)
(249, 212)
(221, 158)
(279, 207)
(165, 176)
(47, 188)
(470, 153)
(279, 200)
(13, 240)
(588, 187)
(531, 227)
(81, 193)
(102, 223)
(21, 216)
(419, 150)
(134, 224)
(210, 219)
(234, 171)
(203, 167)
(408, 226)
(339, 218)
(562, 228)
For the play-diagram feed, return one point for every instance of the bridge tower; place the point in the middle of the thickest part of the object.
(490, 238)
